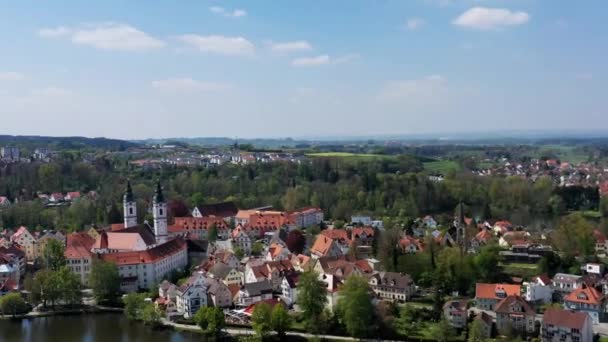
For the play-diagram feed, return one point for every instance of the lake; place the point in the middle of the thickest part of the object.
(106, 327)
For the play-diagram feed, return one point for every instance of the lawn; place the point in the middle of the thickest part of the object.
(441, 166)
(348, 155)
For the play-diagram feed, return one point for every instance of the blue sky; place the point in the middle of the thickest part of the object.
(159, 68)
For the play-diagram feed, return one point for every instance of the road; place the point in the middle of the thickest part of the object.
(234, 331)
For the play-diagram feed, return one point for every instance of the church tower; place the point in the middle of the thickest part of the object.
(129, 207)
(159, 211)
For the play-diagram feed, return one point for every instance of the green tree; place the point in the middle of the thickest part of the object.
(13, 304)
(406, 323)
(355, 307)
(239, 253)
(574, 235)
(486, 263)
(257, 248)
(261, 319)
(311, 298)
(134, 305)
(211, 320)
(105, 281)
(604, 206)
(52, 255)
(280, 320)
(476, 331)
(442, 331)
(68, 285)
(150, 315)
(213, 233)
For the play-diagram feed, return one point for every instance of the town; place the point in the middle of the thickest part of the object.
(211, 266)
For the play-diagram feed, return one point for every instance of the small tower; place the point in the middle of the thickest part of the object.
(129, 207)
(159, 211)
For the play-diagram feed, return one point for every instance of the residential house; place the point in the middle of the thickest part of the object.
(251, 293)
(289, 288)
(43, 240)
(325, 247)
(272, 271)
(539, 290)
(488, 295)
(566, 283)
(277, 252)
(486, 323)
(56, 197)
(306, 217)
(9, 268)
(341, 238)
(16, 253)
(219, 293)
(241, 240)
(392, 286)
(361, 219)
(410, 245)
(226, 274)
(363, 238)
(192, 295)
(301, 262)
(78, 256)
(4, 202)
(72, 196)
(456, 313)
(589, 300)
(513, 313)
(24, 239)
(566, 326)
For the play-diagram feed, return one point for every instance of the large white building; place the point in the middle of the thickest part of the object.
(144, 254)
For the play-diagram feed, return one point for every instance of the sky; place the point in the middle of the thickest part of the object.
(203, 68)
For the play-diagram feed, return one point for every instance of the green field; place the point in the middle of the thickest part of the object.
(348, 155)
(571, 154)
(441, 166)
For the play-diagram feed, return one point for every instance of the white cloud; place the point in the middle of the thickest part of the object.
(323, 60)
(188, 84)
(483, 18)
(231, 46)
(237, 13)
(311, 61)
(106, 36)
(413, 24)
(11, 76)
(294, 46)
(412, 90)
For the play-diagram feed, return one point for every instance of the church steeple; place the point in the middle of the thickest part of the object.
(129, 207)
(159, 211)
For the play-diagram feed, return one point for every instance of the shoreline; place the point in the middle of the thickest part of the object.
(67, 312)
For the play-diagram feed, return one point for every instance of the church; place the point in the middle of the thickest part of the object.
(143, 252)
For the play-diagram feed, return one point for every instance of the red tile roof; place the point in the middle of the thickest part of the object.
(148, 256)
(585, 295)
(488, 291)
(504, 306)
(322, 245)
(565, 318)
(78, 246)
(189, 224)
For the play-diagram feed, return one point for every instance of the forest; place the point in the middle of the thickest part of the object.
(397, 190)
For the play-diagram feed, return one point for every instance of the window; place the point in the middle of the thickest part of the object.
(161, 211)
(131, 211)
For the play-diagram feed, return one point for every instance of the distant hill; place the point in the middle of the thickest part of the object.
(61, 143)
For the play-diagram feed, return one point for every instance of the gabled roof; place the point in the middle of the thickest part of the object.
(565, 318)
(220, 270)
(258, 288)
(322, 245)
(79, 246)
(505, 305)
(585, 295)
(394, 280)
(544, 280)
